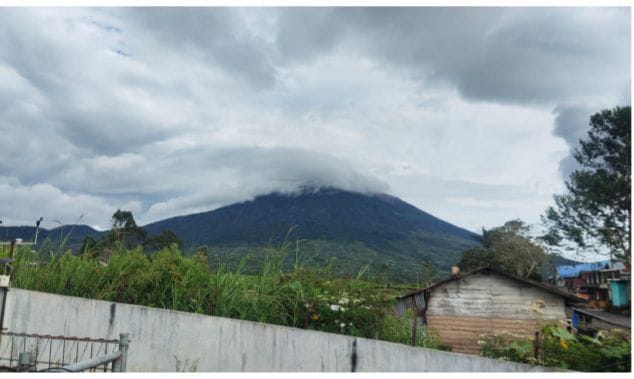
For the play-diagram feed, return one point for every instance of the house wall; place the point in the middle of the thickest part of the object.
(463, 309)
(618, 293)
(414, 302)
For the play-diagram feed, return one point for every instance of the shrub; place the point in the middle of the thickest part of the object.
(610, 351)
(400, 330)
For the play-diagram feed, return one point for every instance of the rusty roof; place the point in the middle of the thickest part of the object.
(610, 318)
(541, 285)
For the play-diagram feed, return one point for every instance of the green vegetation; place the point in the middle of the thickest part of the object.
(400, 330)
(346, 259)
(393, 237)
(596, 213)
(303, 298)
(609, 351)
(126, 234)
(508, 248)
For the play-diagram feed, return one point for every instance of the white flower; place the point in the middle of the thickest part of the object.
(342, 325)
(335, 307)
(343, 301)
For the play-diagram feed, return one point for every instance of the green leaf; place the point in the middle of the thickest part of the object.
(562, 333)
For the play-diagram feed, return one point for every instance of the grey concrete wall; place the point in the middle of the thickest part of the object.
(169, 341)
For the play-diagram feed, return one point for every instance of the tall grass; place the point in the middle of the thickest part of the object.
(302, 297)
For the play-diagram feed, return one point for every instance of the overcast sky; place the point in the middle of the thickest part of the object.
(467, 113)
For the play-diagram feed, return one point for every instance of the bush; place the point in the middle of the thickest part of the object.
(610, 351)
(506, 346)
(400, 330)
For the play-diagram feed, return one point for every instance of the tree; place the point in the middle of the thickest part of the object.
(164, 239)
(123, 220)
(88, 247)
(509, 248)
(126, 234)
(124, 231)
(595, 213)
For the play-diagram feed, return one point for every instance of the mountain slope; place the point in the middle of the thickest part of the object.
(324, 214)
(356, 229)
(391, 236)
(74, 234)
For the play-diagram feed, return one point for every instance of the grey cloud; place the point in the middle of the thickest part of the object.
(237, 174)
(204, 107)
(295, 166)
(567, 166)
(538, 55)
(304, 33)
(216, 34)
(81, 96)
(571, 124)
(206, 177)
(113, 128)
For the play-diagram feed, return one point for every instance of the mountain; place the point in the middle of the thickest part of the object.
(356, 229)
(73, 234)
(390, 236)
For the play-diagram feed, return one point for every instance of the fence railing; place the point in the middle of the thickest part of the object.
(36, 352)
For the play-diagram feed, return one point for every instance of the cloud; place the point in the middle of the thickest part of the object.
(238, 174)
(571, 124)
(476, 204)
(519, 55)
(177, 110)
(218, 35)
(21, 205)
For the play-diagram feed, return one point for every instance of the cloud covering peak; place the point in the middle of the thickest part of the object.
(468, 113)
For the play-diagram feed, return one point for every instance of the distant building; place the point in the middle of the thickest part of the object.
(605, 284)
(466, 306)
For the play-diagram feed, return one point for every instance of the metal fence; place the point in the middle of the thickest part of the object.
(36, 352)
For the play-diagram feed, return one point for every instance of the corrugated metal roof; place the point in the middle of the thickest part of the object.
(541, 285)
(611, 318)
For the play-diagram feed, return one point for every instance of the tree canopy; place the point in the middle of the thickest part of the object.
(126, 234)
(509, 248)
(595, 212)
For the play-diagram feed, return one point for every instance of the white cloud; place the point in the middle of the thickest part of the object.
(22, 205)
(171, 111)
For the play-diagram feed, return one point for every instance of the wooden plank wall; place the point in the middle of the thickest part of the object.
(415, 302)
(463, 309)
(462, 333)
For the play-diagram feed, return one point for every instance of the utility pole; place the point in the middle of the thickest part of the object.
(37, 229)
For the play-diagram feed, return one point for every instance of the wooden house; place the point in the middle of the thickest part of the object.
(465, 306)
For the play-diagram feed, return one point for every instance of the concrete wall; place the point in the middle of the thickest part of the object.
(169, 341)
